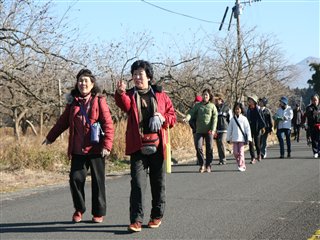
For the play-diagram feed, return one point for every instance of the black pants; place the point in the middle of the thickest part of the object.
(296, 129)
(79, 169)
(315, 138)
(140, 164)
(255, 145)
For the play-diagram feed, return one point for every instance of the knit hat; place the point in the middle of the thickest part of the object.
(264, 100)
(198, 99)
(284, 100)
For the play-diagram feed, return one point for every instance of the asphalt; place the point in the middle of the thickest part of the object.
(274, 199)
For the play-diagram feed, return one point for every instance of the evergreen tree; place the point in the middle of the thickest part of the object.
(314, 82)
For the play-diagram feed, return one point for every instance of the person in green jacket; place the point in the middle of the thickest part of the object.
(206, 116)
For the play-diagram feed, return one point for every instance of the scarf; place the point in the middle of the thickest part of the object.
(146, 106)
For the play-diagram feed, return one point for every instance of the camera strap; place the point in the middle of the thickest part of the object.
(235, 118)
(84, 113)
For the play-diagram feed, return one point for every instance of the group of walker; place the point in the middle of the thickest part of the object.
(150, 114)
(211, 118)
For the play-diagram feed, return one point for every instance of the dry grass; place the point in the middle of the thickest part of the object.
(181, 136)
(29, 153)
(28, 163)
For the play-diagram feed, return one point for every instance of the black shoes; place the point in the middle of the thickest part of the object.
(288, 156)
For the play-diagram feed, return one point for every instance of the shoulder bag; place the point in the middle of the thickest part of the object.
(96, 131)
(244, 134)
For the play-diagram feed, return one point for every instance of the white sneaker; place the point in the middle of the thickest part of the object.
(316, 155)
(242, 169)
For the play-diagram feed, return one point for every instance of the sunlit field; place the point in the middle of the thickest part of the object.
(31, 154)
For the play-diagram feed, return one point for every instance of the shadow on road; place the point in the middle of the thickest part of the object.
(212, 171)
(48, 227)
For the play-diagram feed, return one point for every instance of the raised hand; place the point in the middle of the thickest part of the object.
(121, 87)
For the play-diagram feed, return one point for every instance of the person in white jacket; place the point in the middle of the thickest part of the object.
(239, 133)
(283, 119)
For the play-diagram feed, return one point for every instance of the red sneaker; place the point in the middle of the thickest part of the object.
(154, 223)
(77, 216)
(97, 219)
(135, 227)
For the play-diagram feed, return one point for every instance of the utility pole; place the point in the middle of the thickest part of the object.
(236, 12)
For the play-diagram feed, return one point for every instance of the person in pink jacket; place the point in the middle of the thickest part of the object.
(150, 112)
(86, 107)
(238, 128)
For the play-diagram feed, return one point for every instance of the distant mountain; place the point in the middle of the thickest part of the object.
(302, 72)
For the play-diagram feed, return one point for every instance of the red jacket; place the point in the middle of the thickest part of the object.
(98, 112)
(127, 103)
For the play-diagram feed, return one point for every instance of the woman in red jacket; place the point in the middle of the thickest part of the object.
(84, 109)
(150, 112)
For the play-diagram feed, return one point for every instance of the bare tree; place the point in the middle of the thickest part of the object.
(31, 44)
(39, 63)
(111, 62)
(263, 68)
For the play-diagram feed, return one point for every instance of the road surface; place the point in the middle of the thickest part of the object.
(274, 199)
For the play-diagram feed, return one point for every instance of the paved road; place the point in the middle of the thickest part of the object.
(273, 199)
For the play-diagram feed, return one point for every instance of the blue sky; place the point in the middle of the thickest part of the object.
(294, 24)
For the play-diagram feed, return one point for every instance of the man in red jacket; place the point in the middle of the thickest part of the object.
(85, 107)
(150, 111)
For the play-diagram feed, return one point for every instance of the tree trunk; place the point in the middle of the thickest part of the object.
(17, 123)
(32, 127)
(41, 123)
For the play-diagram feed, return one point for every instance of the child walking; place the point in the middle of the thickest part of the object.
(239, 133)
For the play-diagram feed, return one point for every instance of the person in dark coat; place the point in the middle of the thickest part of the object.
(313, 124)
(257, 125)
(297, 121)
(224, 116)
(269, 125)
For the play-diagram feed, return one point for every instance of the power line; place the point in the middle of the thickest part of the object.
(181, 14)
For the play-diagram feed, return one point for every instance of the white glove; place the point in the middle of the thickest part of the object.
(105, 153)
(160, 116)
(155, 123)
